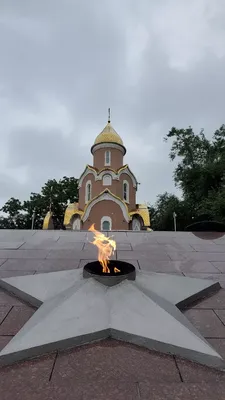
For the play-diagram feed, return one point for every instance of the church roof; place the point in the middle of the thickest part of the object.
(108, 135)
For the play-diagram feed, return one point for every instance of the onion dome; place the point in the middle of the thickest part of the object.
(108, 135)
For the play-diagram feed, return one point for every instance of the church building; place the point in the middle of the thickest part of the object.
(107, 190)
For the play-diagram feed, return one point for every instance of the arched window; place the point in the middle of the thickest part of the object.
(107, 157)
(88, 192)
(107, 180)
(106, 224)
(126, 191)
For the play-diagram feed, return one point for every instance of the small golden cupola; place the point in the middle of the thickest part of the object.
(108, 135)
(108, 148)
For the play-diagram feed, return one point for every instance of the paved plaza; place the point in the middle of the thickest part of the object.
(113, 369)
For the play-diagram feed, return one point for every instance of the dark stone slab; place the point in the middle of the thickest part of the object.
(220, 240)
(172, 391)
(205, 391)
(4, 310)
(2, 261)
(221, 315)
(44, 235)
(189, 237)
(195, 256)
(191, 372)
(209, 248)
(123, 246)
(4, 340)
(220, 265)
(149, 248)
(73, 254)
(9, 274)
(37, 254)
(163, 240)
(207, 256)
(110, 390)
(160, 266)
(21, 264)
(171, 247)
(28, 380)
(177, 255)
(39, 245)
(180, 245)
(119, 246)
(36, 392)
(183, 246)
(12, 235)
(10, 245)
(216, 301)
(113, 389)
(198, 266)
(140, 255)
(117, 236)
(15, 319)
(42, 239)
(206, 322)
(68, 246)
(108, 358)
(218, 345)
(71, 237)
(6, 299)
(59, 264)
(140, 237)
(133, 262)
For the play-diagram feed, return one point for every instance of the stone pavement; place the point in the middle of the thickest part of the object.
(110, 369)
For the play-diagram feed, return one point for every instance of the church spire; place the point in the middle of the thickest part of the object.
(109, 116)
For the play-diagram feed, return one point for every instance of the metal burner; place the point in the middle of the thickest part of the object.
(94, 270)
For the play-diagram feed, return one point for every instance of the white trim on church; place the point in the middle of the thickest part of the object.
(106, 196)
(115, 176)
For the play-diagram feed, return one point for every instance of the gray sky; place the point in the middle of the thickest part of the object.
(157, 64)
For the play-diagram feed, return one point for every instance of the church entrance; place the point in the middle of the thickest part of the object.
(76, 224)
(136, 225)
(106, 226)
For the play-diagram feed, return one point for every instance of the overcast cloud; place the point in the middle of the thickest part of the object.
(157, 64)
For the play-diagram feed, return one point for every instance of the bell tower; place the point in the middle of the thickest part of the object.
(108, 149)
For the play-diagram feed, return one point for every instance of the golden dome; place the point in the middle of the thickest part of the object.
(108, 135)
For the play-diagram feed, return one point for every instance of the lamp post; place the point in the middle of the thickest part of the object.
(175, 221)
(33, 217)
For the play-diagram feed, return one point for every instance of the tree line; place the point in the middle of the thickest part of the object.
(199, 174)
(54, 196)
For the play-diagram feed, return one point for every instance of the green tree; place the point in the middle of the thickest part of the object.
(162, 213)
(12, 207)
(53, 196)
(200, 168)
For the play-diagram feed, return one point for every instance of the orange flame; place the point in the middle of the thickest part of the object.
(106, 247)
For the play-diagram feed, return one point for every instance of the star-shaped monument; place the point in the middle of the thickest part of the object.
(74, 310)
